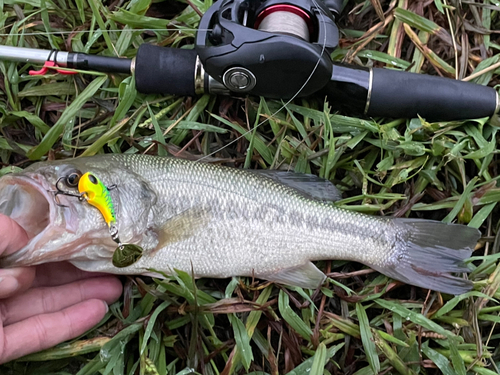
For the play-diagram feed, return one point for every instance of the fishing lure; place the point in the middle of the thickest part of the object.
(97, 194)
(94, 192)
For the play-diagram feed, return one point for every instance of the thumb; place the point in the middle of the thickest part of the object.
(13, 238)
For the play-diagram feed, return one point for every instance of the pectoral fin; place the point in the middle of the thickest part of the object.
(182, 226)
(305, 276)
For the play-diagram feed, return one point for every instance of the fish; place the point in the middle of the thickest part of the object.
(214, 221)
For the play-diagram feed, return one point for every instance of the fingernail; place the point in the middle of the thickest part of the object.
(107, 307)
(8, 286)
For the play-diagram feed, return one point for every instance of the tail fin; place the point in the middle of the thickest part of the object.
(430, 252)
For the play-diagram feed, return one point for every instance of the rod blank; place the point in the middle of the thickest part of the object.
(74, 60)
(32, 55)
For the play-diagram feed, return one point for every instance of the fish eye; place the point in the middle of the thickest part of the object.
(93, 179)
(73, 178)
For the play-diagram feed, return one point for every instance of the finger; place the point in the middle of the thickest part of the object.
(53, 274)
(44, 331)
(45, 300)
(12, 236)
(15, 280)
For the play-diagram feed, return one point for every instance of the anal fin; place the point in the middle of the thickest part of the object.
(304, 276)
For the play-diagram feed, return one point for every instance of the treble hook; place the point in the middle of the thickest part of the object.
(60, 191)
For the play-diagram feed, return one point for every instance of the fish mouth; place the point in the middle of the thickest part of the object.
(59, 230)
(28, 202)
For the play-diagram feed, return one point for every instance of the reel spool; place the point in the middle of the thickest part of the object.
(285, 19)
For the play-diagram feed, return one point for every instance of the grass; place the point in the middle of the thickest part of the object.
(360, 322)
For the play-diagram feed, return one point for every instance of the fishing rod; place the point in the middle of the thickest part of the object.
(279, 49)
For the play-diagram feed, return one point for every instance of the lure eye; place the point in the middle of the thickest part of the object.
(93, 179)
(73, 178)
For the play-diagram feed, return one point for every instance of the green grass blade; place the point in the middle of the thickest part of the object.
(457, 361)
(450, 305)
(305, 367)
(242, 340)
(458, 206)
(30, 117)
(265, 151)
(319, 360)
(96, 11)
(367, 339)
(416, 318)
(393, 357)
(439, 360)
(291, 317)
(57, 129)
(151, 323)
(392, 339)
(254, 316)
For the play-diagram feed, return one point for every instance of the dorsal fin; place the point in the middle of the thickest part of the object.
(309, 185)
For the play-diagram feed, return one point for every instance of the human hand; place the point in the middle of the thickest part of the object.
(45, 305)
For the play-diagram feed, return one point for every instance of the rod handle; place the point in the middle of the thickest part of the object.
(390, 93)
(404, 94)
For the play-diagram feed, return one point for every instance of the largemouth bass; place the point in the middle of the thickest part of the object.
(219, 222)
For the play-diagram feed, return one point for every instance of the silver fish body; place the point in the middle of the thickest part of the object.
(219, 222)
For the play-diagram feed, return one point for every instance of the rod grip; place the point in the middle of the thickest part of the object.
(163, 70)
(403, 94)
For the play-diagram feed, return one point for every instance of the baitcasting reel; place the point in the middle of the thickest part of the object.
(266, 48)
(281, 49)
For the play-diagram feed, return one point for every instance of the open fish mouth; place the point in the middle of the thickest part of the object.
(28, 202)
(56, 228)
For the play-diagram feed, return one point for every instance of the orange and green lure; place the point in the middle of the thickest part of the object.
(97, 194)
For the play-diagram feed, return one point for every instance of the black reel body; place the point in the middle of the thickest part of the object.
(269, 48)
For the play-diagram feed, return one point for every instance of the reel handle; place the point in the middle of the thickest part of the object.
(388, 93)
(335, 6)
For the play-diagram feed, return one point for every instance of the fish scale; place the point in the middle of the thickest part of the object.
(217, 221)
